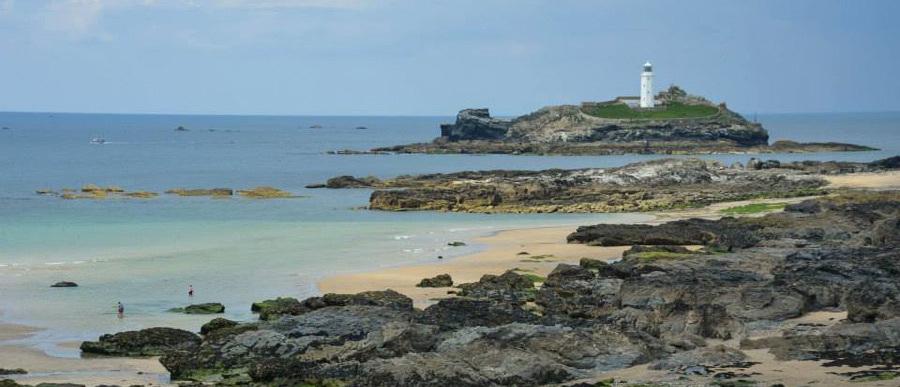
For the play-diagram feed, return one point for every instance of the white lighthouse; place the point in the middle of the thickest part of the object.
(647, 86)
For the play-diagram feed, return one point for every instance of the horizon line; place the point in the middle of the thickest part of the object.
(745, 114)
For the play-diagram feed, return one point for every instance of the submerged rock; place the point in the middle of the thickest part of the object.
(64, 284)
(264, 193)
(207, 308)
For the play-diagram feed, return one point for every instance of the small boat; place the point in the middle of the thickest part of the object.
(98, 140)
(361, 127)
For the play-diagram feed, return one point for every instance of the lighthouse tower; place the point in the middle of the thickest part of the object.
(647, 86)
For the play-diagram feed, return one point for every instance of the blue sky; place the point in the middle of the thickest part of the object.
(434, 57)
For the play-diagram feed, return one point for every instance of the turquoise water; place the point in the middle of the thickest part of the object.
(146, 252)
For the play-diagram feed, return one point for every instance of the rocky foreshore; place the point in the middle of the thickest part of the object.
(691, 312)
(581, 130)
(647, 186)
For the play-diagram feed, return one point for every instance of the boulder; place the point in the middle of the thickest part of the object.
(146, 342)
(456, 244)
(217, 324)
(439, 281)
(279, 302)
(64, 284)
(509, 286)
(12, 371)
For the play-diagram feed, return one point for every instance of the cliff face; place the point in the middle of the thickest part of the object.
(475, 124)
(568, 123)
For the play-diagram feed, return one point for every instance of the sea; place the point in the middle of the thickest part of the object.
(146, 252)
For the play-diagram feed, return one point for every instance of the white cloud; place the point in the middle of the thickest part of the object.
(6, 6)
(75, 17)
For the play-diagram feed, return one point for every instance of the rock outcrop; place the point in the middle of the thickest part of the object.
(476, 124)
(663, 184)
(147, 342)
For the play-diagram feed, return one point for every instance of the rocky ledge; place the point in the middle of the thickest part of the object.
(646, 186)
(660, 305)
(580, 130)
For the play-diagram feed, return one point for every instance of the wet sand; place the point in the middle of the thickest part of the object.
(546, 248)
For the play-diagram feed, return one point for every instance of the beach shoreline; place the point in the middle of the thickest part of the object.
(546, 247)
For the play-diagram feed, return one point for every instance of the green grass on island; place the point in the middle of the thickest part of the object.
(754, 208)
(672, 110)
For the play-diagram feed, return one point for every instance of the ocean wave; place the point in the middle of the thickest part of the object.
(400, 237)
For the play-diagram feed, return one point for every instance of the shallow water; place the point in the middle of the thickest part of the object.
(146, 252)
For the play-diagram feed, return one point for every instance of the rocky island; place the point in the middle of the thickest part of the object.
(679, 124)
(646, 186)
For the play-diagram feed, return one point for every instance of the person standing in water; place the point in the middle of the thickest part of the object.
(190, 290)
(121, 309)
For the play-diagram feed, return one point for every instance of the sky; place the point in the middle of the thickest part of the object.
(435, 57)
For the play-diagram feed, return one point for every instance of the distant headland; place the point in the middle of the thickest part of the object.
(670, 122)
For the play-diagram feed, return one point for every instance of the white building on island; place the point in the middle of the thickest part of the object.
(647, 86)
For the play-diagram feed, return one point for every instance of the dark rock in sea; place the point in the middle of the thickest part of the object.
(59, 385)
(207, 308)
(64, 284)
(439, 281)
(181, 129)
(217, 324)
(146, 342)
(351, 182)
(456, 244)
(12, 371)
